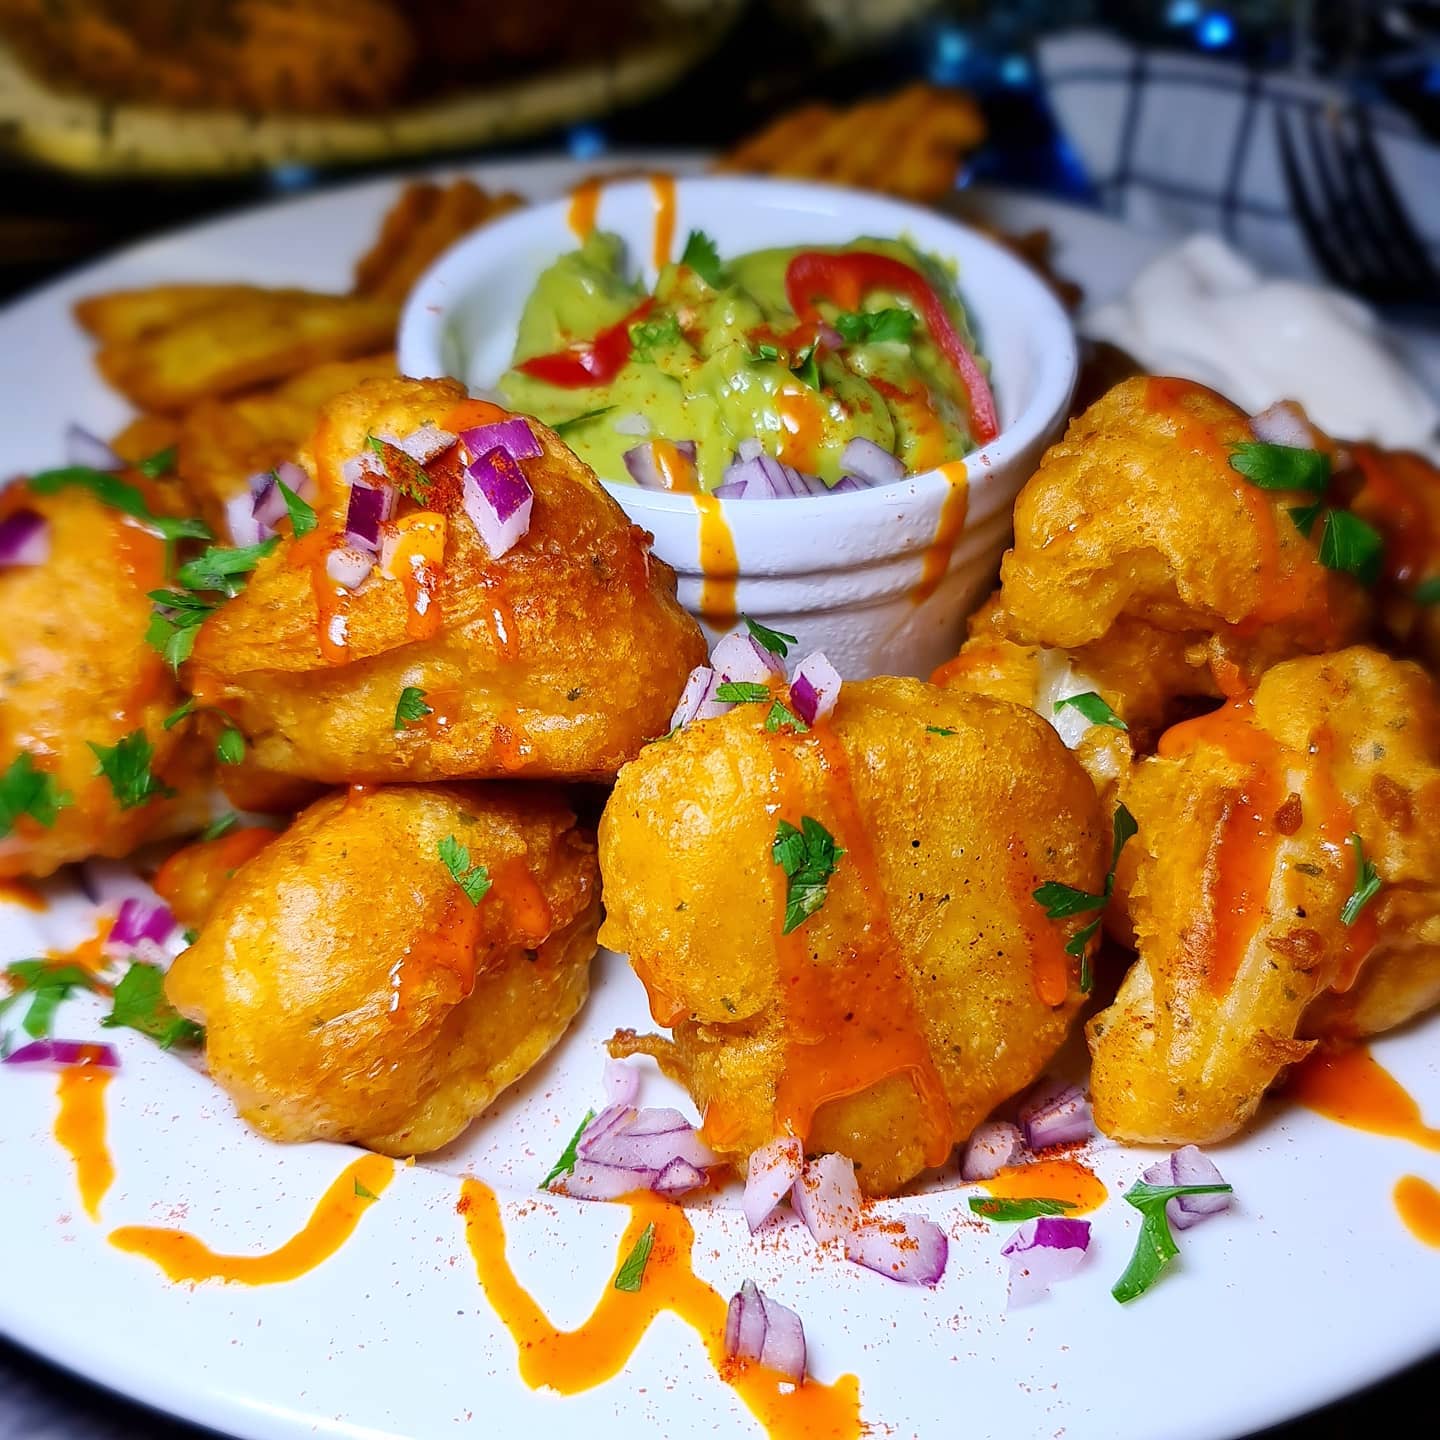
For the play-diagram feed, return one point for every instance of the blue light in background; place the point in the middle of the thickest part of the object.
(1182, 12)
(585, 142)
(1015, 70)
(948, 59)
(292, 177)
(1215, 31)
(1431, 83)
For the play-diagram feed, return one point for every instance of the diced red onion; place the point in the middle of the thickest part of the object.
(240, 520)
(765, 1332)
(513, 436)
(992, 1147)
(1056, 1113)
(498, 499)
(645, 470)
(295, 476)
(845, 484)
(424, 444)
(348, 565)
(590, 1180)
(139, 921)
(365, 468)
(622, 1083)
(632, 424)
(1285, 423)
(1190, 1166)
(731, 490)
(906, 1248)
(24, 539)
(697, 700)
(84, 447)
(109, 883)
(766, 478)
(269, 508)
(773, 1170)
(827, 1198)
(678, 1177)
(740, 658)
(815, 687)
(871, 463)
(827, 335)
(369, 507)
(1042, 1251)
(58, 1054)
(623, 1150)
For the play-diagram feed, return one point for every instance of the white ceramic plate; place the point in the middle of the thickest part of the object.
(1310, 1287)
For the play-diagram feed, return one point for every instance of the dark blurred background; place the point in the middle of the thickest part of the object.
(119, 118)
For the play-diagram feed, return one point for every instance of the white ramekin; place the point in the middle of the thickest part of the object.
(842, 572)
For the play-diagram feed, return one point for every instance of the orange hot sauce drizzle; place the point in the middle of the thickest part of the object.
(22, 893)
(571, 1361)
(948, 530)
(1241, 861)
(719, 564)
(800, 417)
(663, 188)
(1353, 1088)
(1068, 1180)
(184, 1257)
(849, 1026)
(1049, 964)
(1394, 483)
(1164, 396)
(584, 206)
(80, 1128)
(1418, 1202)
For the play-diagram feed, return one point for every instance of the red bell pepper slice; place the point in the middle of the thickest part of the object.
(596, 362)
(845, 279)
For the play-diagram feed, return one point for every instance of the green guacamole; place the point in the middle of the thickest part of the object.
(724, 362)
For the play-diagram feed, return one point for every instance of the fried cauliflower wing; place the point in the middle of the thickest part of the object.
(352, 989)
(926, 987)
(79, 686)
(558, 659)
(1246, 892)
(1137, 514)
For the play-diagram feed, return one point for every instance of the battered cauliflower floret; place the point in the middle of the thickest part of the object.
(921, 986)
(1137, 514)
(79, 686)
(557, 660)
(356, 984)
(1247, 890)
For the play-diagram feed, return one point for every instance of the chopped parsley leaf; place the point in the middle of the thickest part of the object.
(1061, 901)
(47, 984)
(178, 714)
(119, 495)
(565, 1165)
(474, 880)
(649, 335)
(1305, 516)
(1006, 1211)
(781, 715)
(162, 462)
(411, 707)
(741, 692)
(631, 1274)
(220, 566)
(1093, 708)
(807, 367)
(759, 354)
(1156, 1246)
(1352, 546)
(1367, 883)
(176, 618)
(230, 747)
(222, 825)
(703, 258)
(862, 327)
(939, 730)
(302, 513)
(140, 1004)
(126, 765)
(404, 472)
(363, 1193)
(25, 790)
(1427, 592)
(777, 642)
(564, 427)
(1282, 467)
(808, 856)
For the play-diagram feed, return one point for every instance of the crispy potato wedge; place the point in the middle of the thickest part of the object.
(123, 315)
(425, 220)
(248, 341)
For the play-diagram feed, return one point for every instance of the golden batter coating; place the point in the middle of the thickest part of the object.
(1138, 514)
(1241, 873)
(75, 672)
(557, 660)
(928, 987)
(352, 989)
